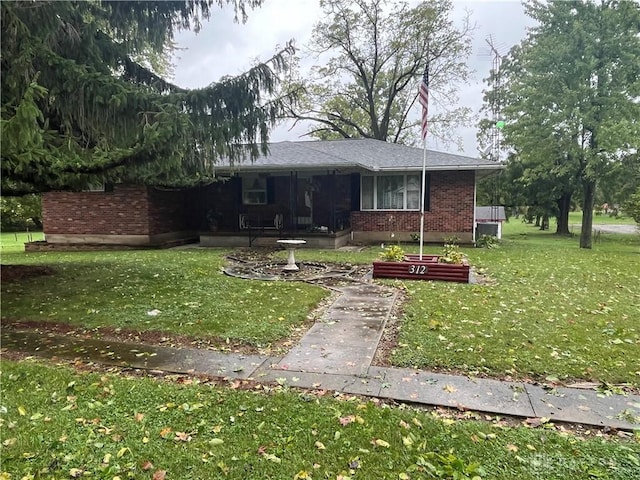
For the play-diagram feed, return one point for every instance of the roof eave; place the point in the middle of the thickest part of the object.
(440, 168)
(343, 166)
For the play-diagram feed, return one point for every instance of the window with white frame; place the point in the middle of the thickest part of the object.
(98, 187)
(390, 192)
(254, 190)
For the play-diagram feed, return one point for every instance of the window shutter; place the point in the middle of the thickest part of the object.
(427, 195)
(355, 192)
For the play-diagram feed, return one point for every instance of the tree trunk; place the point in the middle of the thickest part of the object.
(537, 224)
(544, 225)
(589, 187)
(564, 205)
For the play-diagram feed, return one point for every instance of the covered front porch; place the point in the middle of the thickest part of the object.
(256, 209)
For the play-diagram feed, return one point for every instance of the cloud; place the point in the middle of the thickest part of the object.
(226, 48)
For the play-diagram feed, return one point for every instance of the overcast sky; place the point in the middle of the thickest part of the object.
(226, 48)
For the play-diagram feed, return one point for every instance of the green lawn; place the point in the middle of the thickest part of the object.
(185, 288)
(60, 424)
(551, 310)
(11, 242)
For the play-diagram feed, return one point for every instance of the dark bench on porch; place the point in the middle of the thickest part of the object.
(255, 225)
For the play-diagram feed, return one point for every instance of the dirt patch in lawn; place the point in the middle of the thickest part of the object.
(12, 273)
(168, 339)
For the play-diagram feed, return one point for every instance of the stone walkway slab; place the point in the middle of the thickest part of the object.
(585, 406)
(350, 384)
(174, 360)
(345, 340)
(481, 394)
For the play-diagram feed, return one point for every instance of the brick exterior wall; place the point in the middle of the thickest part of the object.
(451, 209)
(125, 211)
(148, 212)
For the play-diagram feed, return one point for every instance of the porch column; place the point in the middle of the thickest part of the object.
(293, 202)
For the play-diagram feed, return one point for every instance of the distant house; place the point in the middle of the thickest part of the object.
(489, 220)
(329, 193)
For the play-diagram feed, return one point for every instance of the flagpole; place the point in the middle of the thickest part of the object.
(422, 190)
(423, 99)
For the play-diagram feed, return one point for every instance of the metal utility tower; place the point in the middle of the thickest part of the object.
(497, 123)
(496, 81)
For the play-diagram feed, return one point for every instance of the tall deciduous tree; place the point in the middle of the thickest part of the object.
(81, 102)
(622, 180)
(376, 52)
(571, 92)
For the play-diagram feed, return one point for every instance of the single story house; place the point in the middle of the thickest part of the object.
(489, 220)
(328, 193)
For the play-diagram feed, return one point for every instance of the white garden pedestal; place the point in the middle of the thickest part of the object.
(291, 246)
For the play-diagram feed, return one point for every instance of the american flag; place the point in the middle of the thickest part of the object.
(423, 98)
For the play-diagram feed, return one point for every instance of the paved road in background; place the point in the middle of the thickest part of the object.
(610, 228)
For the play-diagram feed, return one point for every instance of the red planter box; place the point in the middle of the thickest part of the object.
(426, 269)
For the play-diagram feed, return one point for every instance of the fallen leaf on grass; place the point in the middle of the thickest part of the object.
(536, 421)
(147, 465)
(159, 475)
(347, 420)
(122, 451)
(511, 448)
(273, 458)
(320, 446)
(182, 437)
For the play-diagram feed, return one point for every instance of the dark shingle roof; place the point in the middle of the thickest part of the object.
(367, 154)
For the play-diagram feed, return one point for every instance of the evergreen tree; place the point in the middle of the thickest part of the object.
(81, 103)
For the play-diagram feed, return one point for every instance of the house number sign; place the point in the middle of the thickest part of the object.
(418, 269)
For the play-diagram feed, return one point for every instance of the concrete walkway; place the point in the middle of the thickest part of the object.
(345, 340)
(336, 354)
